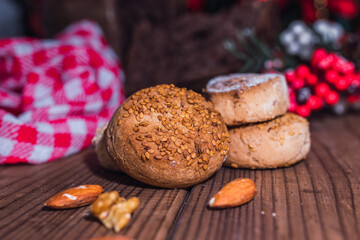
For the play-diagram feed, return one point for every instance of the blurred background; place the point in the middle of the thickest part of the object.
(73, 84)
(187, 42)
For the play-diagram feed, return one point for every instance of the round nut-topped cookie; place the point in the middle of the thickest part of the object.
(280, 142)
(248, 98)
(168, 137)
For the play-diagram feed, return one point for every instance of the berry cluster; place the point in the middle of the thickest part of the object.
(329, 79)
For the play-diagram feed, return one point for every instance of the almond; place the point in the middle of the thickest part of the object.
(234, 193)
(74, 197)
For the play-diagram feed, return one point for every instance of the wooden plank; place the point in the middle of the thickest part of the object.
(315, 199)
(22, 215)
(344, 171)
(297, 225)
(318, 198)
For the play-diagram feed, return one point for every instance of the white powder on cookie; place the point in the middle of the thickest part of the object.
(237, 81)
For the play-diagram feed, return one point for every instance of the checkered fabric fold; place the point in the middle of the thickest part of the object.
(55, 93)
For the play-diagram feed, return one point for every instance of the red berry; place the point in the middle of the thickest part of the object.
(349, 78)
(322, 89)
(332, 98)
(314, 103)
(302, 71)
(318, 55)
(298, 83)
(303, 111)
(290, 76)
(355, 80)
(331, 76)
(337, 62)
(311, 79)
(326, 62)
(342, 83)
(348, 68)
(291, 91)
(292, 95)
(292, 106)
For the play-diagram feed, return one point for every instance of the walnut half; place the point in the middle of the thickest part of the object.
(114, 211)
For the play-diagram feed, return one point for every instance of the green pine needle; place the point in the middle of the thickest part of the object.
(253, 53)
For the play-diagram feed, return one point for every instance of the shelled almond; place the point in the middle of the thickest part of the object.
(234, 193)
(74, 197)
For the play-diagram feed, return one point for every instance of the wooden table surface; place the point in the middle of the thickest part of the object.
(318, 198)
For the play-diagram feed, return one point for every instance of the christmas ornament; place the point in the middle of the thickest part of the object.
(330, 81)
(298, 40)
(330, 32)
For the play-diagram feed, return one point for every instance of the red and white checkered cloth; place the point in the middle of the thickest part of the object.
(55, 93)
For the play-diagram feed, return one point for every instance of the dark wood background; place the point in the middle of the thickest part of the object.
(319, 198)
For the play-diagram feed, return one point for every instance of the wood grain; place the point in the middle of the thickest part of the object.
(318, 198)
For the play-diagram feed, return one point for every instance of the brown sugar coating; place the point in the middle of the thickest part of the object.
(167, 136)
(276, 143)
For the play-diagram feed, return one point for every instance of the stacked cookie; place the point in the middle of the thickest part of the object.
(254, 108)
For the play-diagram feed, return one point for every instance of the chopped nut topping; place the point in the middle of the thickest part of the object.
(114, 211)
